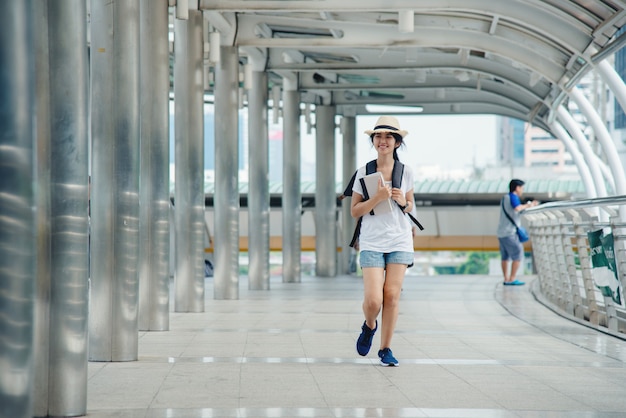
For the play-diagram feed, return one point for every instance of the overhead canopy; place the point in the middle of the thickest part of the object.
(505, 57)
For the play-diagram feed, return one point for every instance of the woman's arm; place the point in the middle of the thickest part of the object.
(360, 207)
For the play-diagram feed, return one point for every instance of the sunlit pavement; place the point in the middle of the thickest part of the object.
(467, 346)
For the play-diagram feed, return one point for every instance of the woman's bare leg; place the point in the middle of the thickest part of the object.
(392, 289)
(373, 282)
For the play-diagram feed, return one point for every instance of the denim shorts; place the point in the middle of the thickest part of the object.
(378, 259)
(511, 248)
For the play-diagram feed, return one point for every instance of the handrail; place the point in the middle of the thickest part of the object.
(577, 204)
(562, 234)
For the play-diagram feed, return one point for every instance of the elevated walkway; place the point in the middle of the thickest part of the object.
(467, 346)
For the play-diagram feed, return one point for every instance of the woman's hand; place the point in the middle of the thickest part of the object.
(398, 196)
(384, 191)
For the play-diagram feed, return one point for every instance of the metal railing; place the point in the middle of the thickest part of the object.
(576, 278)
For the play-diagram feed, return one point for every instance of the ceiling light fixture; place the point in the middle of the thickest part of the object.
(406, 21)
(390, 110)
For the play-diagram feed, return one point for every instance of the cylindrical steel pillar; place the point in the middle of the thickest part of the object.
(577, 157)
(189, 158)
(226, 201)
(292, 195)
(17, 218)
(583, 144)
(154, 186)
(41, 347)
(603, 137)
(115, 180)
(62, 313)
(325, 193)
(348, 129)
(258, 185)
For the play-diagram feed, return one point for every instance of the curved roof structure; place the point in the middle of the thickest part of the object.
(516, 58)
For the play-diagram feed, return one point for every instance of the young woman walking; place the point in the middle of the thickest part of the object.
(385, 241)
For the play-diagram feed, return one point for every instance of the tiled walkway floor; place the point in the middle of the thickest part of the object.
(467, 346)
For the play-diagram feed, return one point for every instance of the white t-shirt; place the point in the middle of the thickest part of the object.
(387, 232)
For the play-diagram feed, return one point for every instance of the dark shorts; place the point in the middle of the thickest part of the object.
(511, 248)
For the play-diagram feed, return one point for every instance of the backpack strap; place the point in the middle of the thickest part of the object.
(348, 190)
(366, 195)
(357, 232)
(369, 169)
(396, 182)
(396, 174)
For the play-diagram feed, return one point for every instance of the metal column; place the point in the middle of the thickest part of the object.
(154, 186)
(258, 185)
(115, 180)
(17, 219)
(603, 137)
(348, 130)
(42, 234)
(577, 157)
(583, 144)
(325, 193)
(292, 196)
(62, 314)
(189, 158)
(226, 201)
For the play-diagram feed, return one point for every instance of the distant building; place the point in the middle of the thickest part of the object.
(543, 150)
(510, 142)
(530, 152)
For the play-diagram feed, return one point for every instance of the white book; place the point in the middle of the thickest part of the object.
(371, 184)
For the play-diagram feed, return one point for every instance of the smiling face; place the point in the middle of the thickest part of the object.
(385, 142)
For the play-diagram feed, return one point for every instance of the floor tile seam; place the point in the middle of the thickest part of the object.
(307, 411)
(158, 391)
(318, 385)
(405, 331)
(425, 361)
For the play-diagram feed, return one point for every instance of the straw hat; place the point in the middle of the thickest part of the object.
(387, 124)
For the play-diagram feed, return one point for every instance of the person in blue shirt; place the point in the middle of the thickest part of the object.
(511, 249)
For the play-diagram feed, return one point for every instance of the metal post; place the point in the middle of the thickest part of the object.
(583, 168)
(115, 180)
(189, 158)
(17, 220)
(325, 193)
(604, 138)
(41, 346)
(62, 314)
(226, 201)
(154, 186)
(583, 144)
(258, 185)
(348, 127)
(292, 196)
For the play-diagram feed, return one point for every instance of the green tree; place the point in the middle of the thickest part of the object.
(477, 263)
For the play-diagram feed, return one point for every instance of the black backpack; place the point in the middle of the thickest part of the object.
(396, 182)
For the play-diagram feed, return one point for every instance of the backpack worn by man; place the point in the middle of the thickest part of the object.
(396, 182)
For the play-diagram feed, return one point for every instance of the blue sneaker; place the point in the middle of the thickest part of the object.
(514, 283)
(364, 342)
(387, 358)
